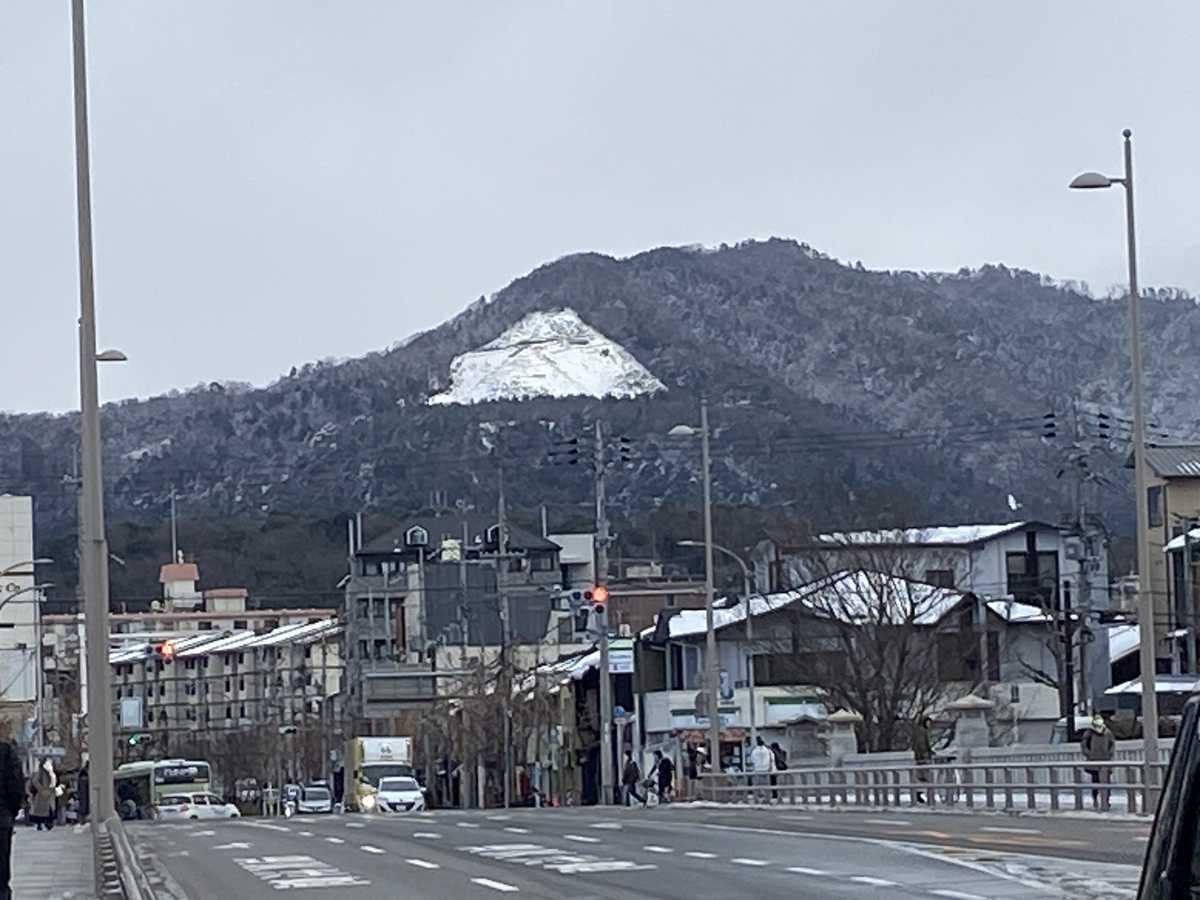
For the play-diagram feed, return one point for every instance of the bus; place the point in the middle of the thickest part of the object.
(138, 786)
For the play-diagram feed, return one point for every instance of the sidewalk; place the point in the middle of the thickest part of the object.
(52, 865)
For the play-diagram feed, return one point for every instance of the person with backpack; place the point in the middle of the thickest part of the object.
(665, 771)
(780, 766)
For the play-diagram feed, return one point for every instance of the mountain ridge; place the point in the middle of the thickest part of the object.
(792, 347)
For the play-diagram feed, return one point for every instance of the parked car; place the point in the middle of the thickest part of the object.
(400, 794)
(314, 798)
(177, 807)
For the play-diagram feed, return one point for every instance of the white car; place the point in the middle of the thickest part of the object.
(400, 794)
(178, 807)
(314, 799)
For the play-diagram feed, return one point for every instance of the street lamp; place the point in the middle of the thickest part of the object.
(44, 586)
(93, 561)
(1091, 181)
(747, 589)
(710, 643)
(40, 561)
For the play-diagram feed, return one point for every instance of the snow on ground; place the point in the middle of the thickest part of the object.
(547, 354)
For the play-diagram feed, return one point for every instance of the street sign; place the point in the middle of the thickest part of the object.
(620, 662)
(49, 752)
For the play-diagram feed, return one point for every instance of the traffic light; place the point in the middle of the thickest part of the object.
(624, 449)
(165, 651)
(1049, 425)
(565, 452)
(135, 739)
(599, 598)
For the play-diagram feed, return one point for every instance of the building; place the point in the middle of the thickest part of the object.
(788, 635)
(1033, 563)
(19, 605)
(428, 597)
(1173, 507)
(224, 669)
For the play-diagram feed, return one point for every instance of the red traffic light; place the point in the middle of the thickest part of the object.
(166, 651)
(600, 596)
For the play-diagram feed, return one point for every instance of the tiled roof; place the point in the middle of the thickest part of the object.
(1174, 461)
(477, 526)
(934, 535)
(178, 572)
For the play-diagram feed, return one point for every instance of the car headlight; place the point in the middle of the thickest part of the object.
(368, 802)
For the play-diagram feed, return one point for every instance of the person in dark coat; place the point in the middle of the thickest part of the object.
(12, 795)
(1098, 745)
(631, 775)
(922, 747)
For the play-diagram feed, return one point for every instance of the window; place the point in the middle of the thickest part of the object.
(943, 578)
(190, 665)
(239, 625)
(364, 607)
(228, 712)
(1154, 505)
(1039, 586)
(162, 690)
(242, 683)
(958, 656)
(228, 685)
(380, 649)
(417, 537)
(205, 626)
(685, 667)
(241, 659)
(544, 563)
(242, 711)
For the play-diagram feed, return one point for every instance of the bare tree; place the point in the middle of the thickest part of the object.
(873, 638)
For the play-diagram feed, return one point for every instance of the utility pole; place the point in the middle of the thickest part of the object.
(607, 780)
(505, 630)
(710, 646)
(94, 562)
(174, 532)
(1068, 650)
(464, 627)
(1189, 603)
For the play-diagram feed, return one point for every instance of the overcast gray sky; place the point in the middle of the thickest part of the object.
(278, 182)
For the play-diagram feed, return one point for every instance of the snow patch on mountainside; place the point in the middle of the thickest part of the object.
(547, 354)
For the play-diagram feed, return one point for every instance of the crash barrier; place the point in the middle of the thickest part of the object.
(1117, 786)
(119, 873)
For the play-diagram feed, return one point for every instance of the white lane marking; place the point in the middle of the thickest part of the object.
(797, 818)
(654, 848)
(422, 864)
(432, 835)
(495, 885)
(205, 833)
(292, 872)
(874, 882)
(517, 830)
(582, 838)
(355, 825)
(1000, 830)
(334, 840)
(886, 822)
(305, 821)
(498, 818)
(611, 826)
(805, 870)
(305, 833)
(468, 825)
(267, 826)
(367, 848)
(743, 861)
(700, 854)
(236, 845)
(957, 895)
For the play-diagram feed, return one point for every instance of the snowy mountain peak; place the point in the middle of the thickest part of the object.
(547, 354)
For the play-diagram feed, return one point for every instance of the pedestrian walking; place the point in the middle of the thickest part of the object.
(664, 769)
(630, 776)
(922, 748)
(43, 794)
(780, 766)
(762, 764)
(12, 795)
(1098, 744)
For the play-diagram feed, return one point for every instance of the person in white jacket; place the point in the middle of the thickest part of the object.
(762, 764)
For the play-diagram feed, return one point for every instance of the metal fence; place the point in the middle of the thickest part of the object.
(1116, 786)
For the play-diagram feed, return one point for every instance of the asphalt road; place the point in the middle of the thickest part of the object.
(661, 853)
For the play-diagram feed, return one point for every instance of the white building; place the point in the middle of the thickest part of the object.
(18, 602)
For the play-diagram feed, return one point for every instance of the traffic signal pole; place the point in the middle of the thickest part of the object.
(601, 609)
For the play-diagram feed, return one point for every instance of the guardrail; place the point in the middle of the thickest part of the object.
(1119, 786)
(119, 874)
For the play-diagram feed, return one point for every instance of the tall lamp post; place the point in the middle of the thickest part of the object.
(93, 544)
(711, 677)
(1089, 181)
(747, 590)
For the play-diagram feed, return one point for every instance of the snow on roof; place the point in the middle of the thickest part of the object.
(1122, 641)
(1163, 684)
(936, 534)
(1016, 613)
(849, 596)
(1176, 543)
(226, 641)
